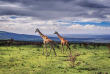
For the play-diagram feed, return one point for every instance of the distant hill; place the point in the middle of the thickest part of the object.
(69, 37)
(81, 36)
(22, 37)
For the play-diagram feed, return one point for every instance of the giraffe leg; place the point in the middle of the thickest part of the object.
(54, 52)
(62, 48)
(43, 49)
(50, 50)
(69, 49)
(46, 49)
(66, 49)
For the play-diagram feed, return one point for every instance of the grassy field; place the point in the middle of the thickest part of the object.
(29, 60)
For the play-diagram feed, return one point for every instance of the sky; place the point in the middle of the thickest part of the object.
(64, 16)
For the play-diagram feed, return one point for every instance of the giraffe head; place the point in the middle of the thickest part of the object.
(56, 32)
(36, 30)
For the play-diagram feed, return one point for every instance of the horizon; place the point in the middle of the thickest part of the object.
(54, 34)
(65, 16)
(70, 37)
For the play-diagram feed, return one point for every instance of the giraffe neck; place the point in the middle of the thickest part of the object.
(41, 34)
(59, 36)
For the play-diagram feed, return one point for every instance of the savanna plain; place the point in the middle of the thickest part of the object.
(28, 59)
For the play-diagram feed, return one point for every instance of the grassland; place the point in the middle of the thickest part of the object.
(29, 60)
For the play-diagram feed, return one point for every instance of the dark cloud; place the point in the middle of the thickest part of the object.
(92, 5)
(53, 9)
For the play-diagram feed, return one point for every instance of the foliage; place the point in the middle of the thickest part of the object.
(29, 60)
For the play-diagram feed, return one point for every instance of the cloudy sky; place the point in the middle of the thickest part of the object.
(64, 16)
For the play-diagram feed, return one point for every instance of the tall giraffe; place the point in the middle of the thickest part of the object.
(46, 41)
(63, 42)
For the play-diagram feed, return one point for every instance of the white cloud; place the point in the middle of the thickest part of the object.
(27, 25)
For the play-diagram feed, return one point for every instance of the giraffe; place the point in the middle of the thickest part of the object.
(46, 41)
(63, 42)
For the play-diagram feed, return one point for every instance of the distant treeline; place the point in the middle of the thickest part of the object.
(11, 42)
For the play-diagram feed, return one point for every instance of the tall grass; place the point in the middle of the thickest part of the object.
(29, 60)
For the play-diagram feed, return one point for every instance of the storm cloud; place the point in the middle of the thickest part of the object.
(55, 9)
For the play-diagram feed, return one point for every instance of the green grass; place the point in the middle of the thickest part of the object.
(29, 60)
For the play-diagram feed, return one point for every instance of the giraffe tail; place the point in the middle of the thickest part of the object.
(69, 43)
(56, 45)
